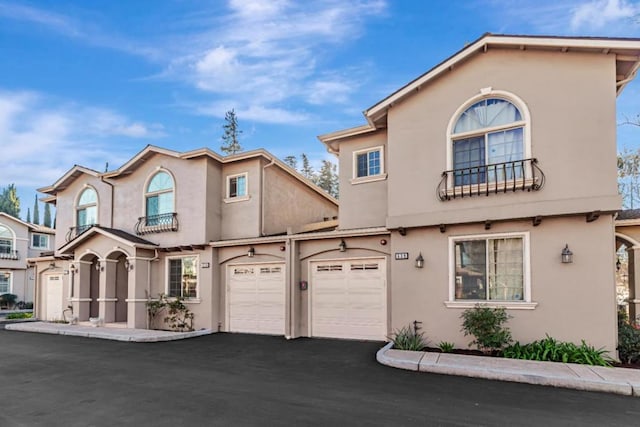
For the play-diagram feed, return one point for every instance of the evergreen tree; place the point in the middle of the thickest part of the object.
(28, 214)
(307, 170)
(9, 201)
(36, 211)
(327, 178)
(230, 142)
(291, 161)
(47, 216)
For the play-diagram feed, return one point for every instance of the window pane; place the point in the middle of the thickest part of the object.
(468, 155)
(487, 113)
(506, 269)
(5, 246)
(161, 181)
(241, 185)
(362, 166)
(4, 232)
(4, 282)
(175, 277)
(374, 163)
(189, 277)
(165, 203)
(471, 270)
(88, 197)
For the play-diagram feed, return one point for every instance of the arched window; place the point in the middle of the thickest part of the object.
(6, 241)
(487, 141)
(87, 210)
(159, 198)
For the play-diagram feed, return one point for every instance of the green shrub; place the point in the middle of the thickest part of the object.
(177, 315)
(8, 300)
(628, 339)
(485, 325)
(19, 315)
(408, 338)
(552, 350)
(446, 347)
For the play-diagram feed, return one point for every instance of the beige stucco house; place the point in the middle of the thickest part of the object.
(19, 241)
(465, 186)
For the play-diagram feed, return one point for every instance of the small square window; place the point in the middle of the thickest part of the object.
(237, 186)
(368, 162)
(40, 241)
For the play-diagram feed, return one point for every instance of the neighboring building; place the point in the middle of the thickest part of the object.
(19, 241)
(628, 258)
(129, 235)
(463, 188)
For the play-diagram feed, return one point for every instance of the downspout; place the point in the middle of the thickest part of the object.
(155, 258)
(36, 291)
(262, 193)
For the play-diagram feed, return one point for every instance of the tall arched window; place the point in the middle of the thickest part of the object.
(6, 242)
(159, 198)
(487, 138)
(86, 210)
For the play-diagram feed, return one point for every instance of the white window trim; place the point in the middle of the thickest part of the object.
(228, 198)
(525, 304)
(166, 280)
(146, 194)
(355, 179)
(486, 93)
(39, 247)
(79, 207)
(13, 236)
(10, 273)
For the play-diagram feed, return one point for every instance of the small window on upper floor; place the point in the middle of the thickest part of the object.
(39, 241)
(86, 210)
(6, 242)
(237, 187)
(368, 165)
(159, 201)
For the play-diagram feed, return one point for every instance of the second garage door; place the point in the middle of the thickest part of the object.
(256, 295)
(349, 299)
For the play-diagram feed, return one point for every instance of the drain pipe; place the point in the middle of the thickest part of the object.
(155, 258)
(262, 193)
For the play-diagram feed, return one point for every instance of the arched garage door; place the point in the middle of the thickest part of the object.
(349, 299)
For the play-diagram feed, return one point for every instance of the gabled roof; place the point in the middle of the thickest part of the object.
(18, 220)
(113, 233)
(66, 179)
(147, 152)
(625, 50)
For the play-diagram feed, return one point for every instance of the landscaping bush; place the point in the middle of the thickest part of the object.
(19, 315)
(177, 315)
(408, 338)
(628, 339)
(485, 325)
(552, 350)
(8, 300)
(446, 347)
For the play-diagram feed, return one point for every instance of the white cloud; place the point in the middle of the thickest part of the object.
(600, 13)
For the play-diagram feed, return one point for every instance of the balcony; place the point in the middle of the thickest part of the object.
(157, 223)
(76, 231)
(11, 255)
(518, 175)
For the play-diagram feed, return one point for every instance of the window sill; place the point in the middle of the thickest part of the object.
(186, 300)
(365, 179)
(236, 199)
(509, 305)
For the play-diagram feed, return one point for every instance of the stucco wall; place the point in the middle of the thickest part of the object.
(575, 301)
(571, 98)
(241, 218)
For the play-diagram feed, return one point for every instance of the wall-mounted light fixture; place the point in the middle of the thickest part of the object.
(342, 246)
(383, 242)
(567, 255)
(128, 265)
(419, 261)
(99, 266)
(73, 268)
(618, 264)
(251, 252)
(52, 264)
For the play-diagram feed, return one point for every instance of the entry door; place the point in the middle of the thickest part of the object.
(256, 295)
(53, 297)
(349, 299)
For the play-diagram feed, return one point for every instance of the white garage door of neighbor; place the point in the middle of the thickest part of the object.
(256, 295)
(54, 297)
(349, 299)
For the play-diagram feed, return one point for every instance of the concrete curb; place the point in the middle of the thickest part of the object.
(565, 375)
(115, 334)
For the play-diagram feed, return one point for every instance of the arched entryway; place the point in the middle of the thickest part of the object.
(117, 287)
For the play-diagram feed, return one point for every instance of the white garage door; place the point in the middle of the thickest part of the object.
(349, 299)
(53, 297)
(256, 295)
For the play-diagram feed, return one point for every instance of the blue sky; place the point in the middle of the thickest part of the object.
(94, 82)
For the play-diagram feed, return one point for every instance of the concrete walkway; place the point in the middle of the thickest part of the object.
(567, 375)
(106, 333)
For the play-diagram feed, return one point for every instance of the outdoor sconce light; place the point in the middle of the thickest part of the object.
(342, 246)
(52, 264)
(251, 252)
(128, 265)
(419, 261)
(567, 255)
(618, 264)
(99, 266)
(72, 268)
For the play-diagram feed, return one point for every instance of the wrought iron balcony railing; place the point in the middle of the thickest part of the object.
(76, 231)
(157, 223)
(518, 175)
(12, 255)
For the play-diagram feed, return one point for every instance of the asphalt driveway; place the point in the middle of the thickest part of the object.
(233, 379)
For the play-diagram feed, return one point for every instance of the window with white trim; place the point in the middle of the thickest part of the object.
(159, 198)
(87, 210)
(237, 186)
(183, 277)
(490, 268)
(39, 241)
(368, 162)
(6, 240)
(5, 282)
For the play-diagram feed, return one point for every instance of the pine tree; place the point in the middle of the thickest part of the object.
(328, 178)
(291, 161)
(230, 142)
(36, 211)
(47, 216)
(9, 201)
(307, 170)
(28, 214)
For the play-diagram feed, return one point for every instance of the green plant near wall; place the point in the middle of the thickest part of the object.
(176, 314)
(409, 338)
(446, 347)
(485, 324)
(552, 350)
(628, 339)
(19, 316)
